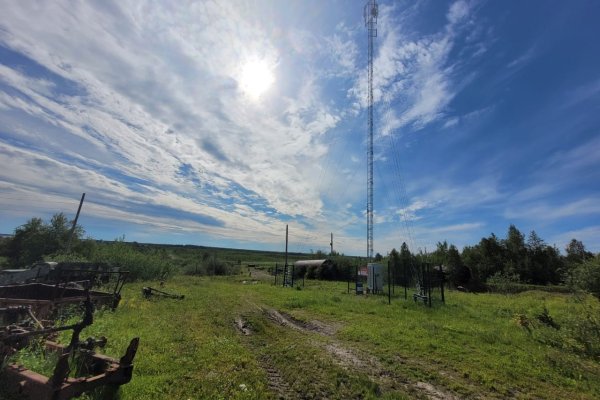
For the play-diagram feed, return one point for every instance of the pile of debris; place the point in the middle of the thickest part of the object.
(30, 301)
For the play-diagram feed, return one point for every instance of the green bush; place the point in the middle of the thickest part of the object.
(586, 276)
(577, 332)
(141, 265)
(504, 283)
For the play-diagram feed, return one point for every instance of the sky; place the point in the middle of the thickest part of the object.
(218, 123)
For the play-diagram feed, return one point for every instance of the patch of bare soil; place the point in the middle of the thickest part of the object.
(444, 371)
(350, 359)
(260, 274)
(344, 356)
(289, 321)
(243, 327)
(433, 393)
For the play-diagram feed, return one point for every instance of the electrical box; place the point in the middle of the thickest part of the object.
(374, 278)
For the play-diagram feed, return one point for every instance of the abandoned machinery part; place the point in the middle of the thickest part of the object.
(100, 371)
(148, 292)
(44, 299)
(57, 272)
(94, 370)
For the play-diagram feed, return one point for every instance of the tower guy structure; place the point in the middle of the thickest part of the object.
(370, 15)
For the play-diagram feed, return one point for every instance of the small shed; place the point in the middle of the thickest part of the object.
(319, 269)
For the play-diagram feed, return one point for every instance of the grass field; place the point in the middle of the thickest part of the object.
(231, 338)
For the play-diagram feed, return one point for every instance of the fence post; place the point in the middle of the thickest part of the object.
(389, 284)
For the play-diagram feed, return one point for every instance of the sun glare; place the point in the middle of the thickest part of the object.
(256, 78)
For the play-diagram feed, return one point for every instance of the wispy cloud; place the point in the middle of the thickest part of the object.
(150, 116)
(549, 212)
(141, 104)
(415, 75)
(588, 235)
(523, 59)
(458, 227)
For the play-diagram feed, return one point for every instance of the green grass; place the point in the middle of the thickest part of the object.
(473, 346)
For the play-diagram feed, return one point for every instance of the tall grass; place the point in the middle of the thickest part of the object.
(474, 345)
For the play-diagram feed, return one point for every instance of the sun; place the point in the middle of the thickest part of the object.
(256, 78)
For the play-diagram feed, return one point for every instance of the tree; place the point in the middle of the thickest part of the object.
(406, 261)
(440, 255)
(484, 259)
(576, 252)
(544, 264)
(515, 256)
(394, 264)
(587, 275)
(458, 273)
(28, 243)
(576, 255)
(36, 239)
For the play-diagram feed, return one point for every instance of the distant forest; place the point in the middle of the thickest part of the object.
(513, 259)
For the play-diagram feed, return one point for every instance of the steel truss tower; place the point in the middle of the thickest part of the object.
(370, 14)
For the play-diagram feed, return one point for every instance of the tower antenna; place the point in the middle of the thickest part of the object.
(370, 12)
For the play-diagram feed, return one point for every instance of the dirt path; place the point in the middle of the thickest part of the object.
(354, 360)
(277, 385)
(259, 274)
(289, 321)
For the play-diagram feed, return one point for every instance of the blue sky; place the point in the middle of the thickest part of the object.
(219, 122)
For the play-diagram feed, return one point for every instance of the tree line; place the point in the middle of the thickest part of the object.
(516, 258)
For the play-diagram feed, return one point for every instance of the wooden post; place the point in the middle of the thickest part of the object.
(405, 282)
(442, 284)
(75, 223)
(428, 268)
(389, 284)
(286, 254)
(393, 277)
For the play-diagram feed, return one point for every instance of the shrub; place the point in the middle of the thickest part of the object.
(140, 265)
(503, 282)
(586, 276)
(578, 332)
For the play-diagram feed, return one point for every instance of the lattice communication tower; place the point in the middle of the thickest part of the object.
(370, 15)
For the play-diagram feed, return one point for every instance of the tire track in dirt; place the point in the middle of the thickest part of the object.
(350, 359)
(275, 382)
(289, 321)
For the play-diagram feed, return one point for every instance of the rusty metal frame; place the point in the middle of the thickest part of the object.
(105, 371)
(100, 370)
(56, 296)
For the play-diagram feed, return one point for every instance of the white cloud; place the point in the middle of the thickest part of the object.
(523, 59)
(410, 212)
(588, 235)
(458, 10)
(150, 105)
(550, 212)
(413, 80)
(458, 227)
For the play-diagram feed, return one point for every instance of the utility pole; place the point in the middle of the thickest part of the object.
(286, 256)
(331, 244)
(75, 223)
(370, 12)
